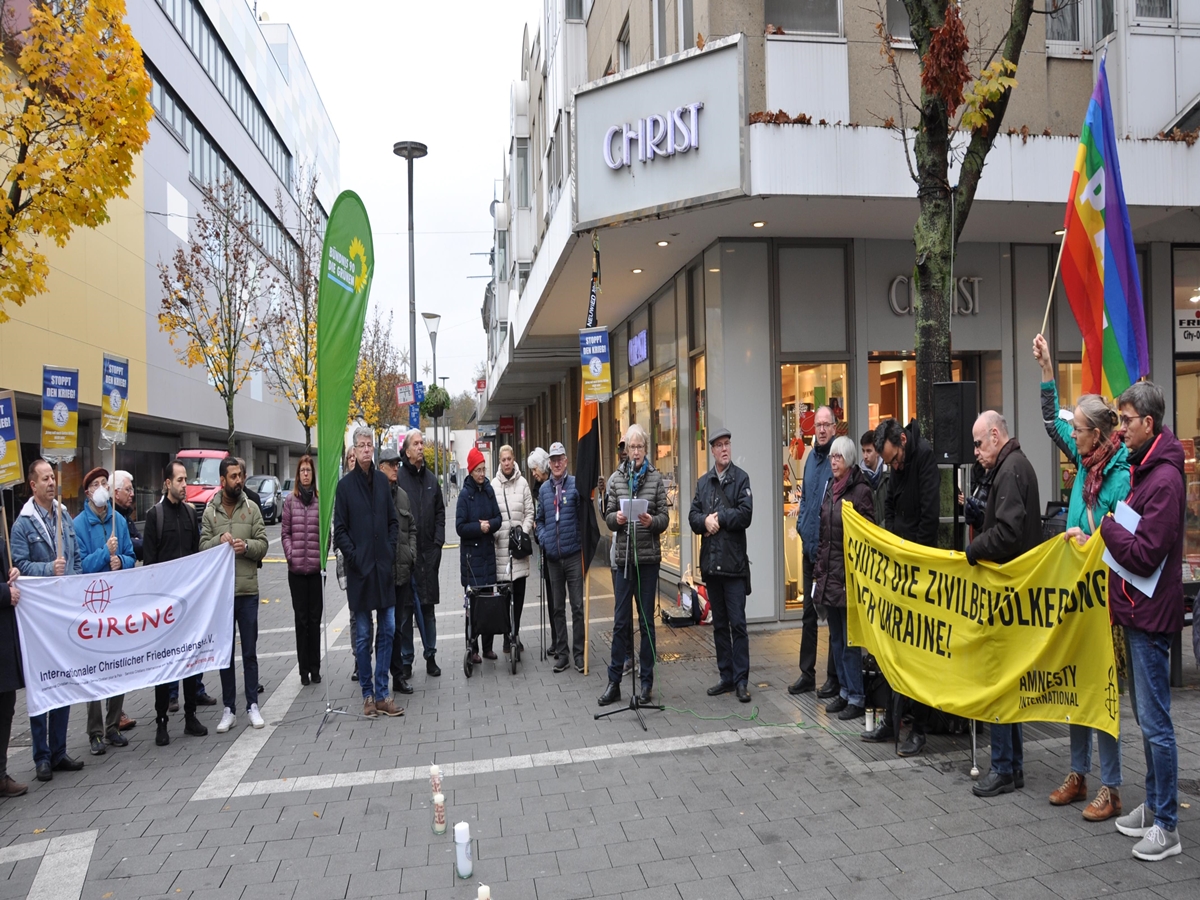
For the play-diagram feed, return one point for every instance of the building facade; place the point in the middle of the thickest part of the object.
(232, 97)
(753, 272)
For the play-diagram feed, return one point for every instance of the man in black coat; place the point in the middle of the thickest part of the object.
(365, 528)
(1011, 525)
(429, 512)
(11, 676)
(721, 512)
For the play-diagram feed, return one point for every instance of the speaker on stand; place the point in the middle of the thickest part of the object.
(955, 409)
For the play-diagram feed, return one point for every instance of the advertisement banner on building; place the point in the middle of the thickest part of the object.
(597, 372)
(11, 471)
(1029, 641)
(114, 404)
(87, 637)
(60, 413)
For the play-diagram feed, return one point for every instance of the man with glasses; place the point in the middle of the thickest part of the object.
(1011, 525)
(1151, 621)
(722, 508)
(817, 475)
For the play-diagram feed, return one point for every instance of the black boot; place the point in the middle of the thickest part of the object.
(161, 737)
(194, 727)
(611, 694)
(431, 667)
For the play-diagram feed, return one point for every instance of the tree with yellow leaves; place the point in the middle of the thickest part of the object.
(290, 327)
(74, 111)
(214, 291)
(380, 369)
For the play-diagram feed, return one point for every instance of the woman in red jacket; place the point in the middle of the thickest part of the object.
(302, 548)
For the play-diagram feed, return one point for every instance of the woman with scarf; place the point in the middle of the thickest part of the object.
(1092, 442)
(635, 559)
(301, 533)
(477, 521)
(829, 574)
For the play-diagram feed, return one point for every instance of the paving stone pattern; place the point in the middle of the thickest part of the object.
(798, 811)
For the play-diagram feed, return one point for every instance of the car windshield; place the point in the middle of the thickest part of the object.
(256, 483)
(203, 471)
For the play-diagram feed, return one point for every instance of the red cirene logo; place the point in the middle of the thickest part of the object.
(123, 623)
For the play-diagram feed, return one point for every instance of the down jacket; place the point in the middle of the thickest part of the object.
(429, 513)
(817, 475)
(477, 550)
(651, 489)
(406, 540)
(1158, 496)
(558, 518)
(301, 534)
(93, 533)
(516, 511)
(1012, 519)
(724, 553)
(829, 575)
(34, 542)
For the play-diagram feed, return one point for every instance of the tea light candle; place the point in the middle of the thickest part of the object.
(485, 892)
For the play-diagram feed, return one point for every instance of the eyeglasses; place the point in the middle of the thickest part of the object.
(1125, 420)
(1080, 429)
(823, 425)
(977, 444)
(635, 447)
(837, 456)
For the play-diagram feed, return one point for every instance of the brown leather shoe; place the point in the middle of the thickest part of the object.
(369, 708)
(126, 723)
(10, 788)
(388, 707)
(1074, 788)
(1106, 805)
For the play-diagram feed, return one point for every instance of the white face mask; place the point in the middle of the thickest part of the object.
(100, 496)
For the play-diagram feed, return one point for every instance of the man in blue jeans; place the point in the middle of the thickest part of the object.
(230, 518)
(35, 544)
(1157, 495)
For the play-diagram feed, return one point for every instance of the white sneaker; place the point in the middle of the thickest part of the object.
(1158, 844)
(1137, 823)
(227, 720)
(256, 718)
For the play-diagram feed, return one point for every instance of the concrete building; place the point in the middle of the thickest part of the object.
(752, 272)
(231, 95)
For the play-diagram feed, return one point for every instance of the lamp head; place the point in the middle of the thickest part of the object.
(431, 322)
(410, 149)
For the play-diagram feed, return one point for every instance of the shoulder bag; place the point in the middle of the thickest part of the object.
(519, 544)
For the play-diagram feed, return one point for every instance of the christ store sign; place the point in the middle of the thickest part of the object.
(902, 296)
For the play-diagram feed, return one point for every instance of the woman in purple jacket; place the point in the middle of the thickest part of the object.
(302, 548)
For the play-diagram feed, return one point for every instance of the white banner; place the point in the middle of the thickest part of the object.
(87, 637)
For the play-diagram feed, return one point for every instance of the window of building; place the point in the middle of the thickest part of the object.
(619, 347)
(897, 21)
(623, 47)
(662, 321)
(575, 10)
(805, 16)
(665, 457)
(1152, 9)
(696, 308)
(687, 29)
(501, 267)
(658, 27)
(522, 277)
(1105, 22)
(1062, 20)
(521, 173)
(639, 347)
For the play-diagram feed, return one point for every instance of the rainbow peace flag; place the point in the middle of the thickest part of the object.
(1099, 266)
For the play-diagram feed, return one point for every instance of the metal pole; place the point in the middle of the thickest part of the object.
(412, 283)
(437, 437)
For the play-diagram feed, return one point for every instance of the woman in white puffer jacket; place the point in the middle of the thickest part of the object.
(516, 511)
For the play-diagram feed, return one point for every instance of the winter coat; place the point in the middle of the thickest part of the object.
(559, 518)
(817, 475)
(1012, 518)
(429, 512)
(477, 550)
(365, 527)
(406, 538)
(12, 675)
(646, 550)
(829, 574)
(723, 554)
(245, 524)
(300, 530)
(33, 543)
(134, 535)
(1158, 496)
(879, 483)
(1113, 488)
(516, 511)
(180, 532)
(913, 503)
(93, 533)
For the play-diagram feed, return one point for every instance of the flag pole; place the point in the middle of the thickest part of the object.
(113, 491)
(4, 523)
(58, 513)
(1053, 283)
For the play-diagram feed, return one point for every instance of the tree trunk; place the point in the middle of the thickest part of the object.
(308, 440)
(229, 417)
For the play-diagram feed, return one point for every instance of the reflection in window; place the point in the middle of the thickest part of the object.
(1153, 9)
(807, 16)
(897, 20)
(1105, 23)
(1062, 20)
(665, 456)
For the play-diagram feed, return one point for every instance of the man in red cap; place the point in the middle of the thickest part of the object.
(104, 545)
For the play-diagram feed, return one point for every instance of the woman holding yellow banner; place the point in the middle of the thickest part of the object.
(829, 575)
(1089, 440)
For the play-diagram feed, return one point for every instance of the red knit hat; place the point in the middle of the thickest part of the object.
(474, 458)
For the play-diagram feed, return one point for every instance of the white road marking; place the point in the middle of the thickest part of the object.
(23, 851)
(64, 867)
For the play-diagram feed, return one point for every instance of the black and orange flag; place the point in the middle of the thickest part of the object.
(587, 453)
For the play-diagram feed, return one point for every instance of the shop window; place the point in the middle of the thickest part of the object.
(639, 346)
(1187, 394)
(1070, 389)
(620, 356)
(696, 307)
(699, 430)
(665, 449)
(805, 16)
(621, 423)
(639, 405)
(662, 316)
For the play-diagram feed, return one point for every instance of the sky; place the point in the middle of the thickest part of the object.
(438, 73)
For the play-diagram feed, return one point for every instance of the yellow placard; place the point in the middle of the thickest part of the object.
(1029, 641)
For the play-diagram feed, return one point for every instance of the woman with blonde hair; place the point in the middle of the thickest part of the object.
(516, 511)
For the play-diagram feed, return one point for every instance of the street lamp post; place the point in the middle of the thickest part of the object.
(444, 379)
(411, 150)
(431, 325)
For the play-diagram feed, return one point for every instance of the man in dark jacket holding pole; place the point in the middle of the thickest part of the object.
(365, 528)
(1011, 525)
(428, 508)
(406, 554)
(558, 523)
(1151, 621)
(721, 512)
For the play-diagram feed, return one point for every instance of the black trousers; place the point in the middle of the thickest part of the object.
(162, 697)
(727, 597)
(808, 632)
(8, 705)
(306, 604)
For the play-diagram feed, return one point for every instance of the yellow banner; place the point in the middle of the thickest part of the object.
(1026, 642)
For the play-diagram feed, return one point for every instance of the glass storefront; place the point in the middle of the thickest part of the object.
(1186, 327)
(664, 440)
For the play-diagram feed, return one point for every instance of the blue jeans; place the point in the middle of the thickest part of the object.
(426, 624)
(1110, 754)
(49, 733)
(384, 635)
(1150, 666)
(727, 597)
(847, 659)
(642, 580)
(1008, 750)
(245, 617)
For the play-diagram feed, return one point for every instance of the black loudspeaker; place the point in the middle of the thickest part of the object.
(954, 414)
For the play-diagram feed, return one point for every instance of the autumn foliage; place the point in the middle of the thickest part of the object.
(74, 112)
(944, 71)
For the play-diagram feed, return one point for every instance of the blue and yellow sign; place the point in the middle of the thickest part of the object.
(10, 441)
(114, 402)
(597, 371)
(60, 412)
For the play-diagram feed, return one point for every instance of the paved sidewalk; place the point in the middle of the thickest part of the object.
(713, 801)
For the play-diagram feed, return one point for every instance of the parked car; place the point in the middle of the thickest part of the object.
(203, 473)
(270, 496)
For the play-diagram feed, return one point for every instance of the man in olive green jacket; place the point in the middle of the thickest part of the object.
(232, 519)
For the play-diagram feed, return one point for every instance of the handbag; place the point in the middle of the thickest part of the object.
(519, 543)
